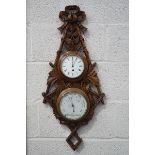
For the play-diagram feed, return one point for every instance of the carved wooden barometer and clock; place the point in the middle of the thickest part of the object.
(73, 89)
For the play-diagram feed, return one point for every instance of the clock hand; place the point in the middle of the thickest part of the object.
(72, 62)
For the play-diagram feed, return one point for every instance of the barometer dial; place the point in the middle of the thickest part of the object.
(73, 104)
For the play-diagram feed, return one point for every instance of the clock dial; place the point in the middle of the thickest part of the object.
(72, 66)
(73, 105)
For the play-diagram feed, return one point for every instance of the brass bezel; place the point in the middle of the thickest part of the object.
(77, 54)
(77, 90)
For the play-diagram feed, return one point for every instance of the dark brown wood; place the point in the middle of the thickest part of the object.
(72, 43)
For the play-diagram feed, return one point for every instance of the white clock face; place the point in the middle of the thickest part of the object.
(72, 66)
(73, 105)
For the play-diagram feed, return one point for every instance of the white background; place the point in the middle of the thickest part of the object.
(13, 77)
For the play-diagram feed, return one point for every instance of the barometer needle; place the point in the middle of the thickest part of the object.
(72, 103)
(73, 107)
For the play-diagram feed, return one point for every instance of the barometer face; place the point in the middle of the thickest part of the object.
(72, 66)
(73, 105)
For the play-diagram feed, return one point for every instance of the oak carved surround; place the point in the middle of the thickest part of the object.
(73, 42)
